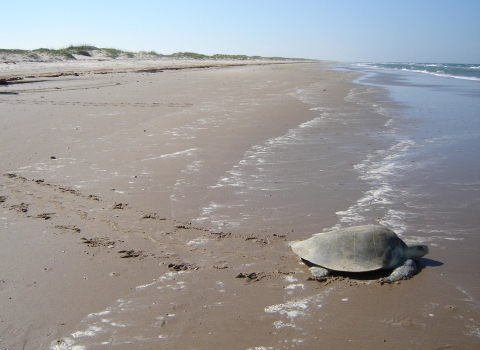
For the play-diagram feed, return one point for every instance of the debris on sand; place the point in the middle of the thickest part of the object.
(131, 253)
(99, 242)
(152, 216)
(21, 208)
(252, 276)
(182, 266)
(69, 227)
(119, 206)
(45, 216)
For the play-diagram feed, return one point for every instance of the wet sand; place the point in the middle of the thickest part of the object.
(133, 201)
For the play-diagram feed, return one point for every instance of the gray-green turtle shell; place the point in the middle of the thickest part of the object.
(354, 249)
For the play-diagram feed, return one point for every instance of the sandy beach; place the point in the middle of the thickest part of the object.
(150, 205)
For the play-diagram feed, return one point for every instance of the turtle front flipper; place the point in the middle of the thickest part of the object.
(319, 273)
(407, 270)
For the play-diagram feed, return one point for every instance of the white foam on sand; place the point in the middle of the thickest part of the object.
(89, 332)
(199, 241)
(381, 169)
(96, 330)
(291, 279)
(296, 308)
(258, 171)
(187, 152)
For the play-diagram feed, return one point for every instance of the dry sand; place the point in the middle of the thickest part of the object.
(108, 186)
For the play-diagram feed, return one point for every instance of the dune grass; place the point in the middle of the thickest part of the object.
(87, 50)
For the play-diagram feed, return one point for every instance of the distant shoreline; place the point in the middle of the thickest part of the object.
(83, 52)
(77, 60)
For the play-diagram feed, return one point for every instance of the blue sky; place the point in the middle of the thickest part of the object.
(344, 30)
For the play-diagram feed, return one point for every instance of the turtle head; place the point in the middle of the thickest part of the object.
(417, 251)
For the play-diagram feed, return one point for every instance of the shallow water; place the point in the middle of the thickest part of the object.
(431, 175)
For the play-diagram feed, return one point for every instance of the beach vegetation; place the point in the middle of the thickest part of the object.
(83, 53)
(90, 50)
(62, 53)
(66, 54)
(81, 48)
(230, 57)
(154, 53)
(112, 53)
(190, 55)
(33, 56)
(14, 51)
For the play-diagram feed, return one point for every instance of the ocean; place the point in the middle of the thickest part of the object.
(429, 180)
(449, 70)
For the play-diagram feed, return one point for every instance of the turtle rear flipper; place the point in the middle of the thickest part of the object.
(407, 270)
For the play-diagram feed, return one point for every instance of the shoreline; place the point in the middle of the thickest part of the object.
(195, 176)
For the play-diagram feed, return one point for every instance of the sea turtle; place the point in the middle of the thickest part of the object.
(360, 249)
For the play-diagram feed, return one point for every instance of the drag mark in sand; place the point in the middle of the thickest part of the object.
(474, 326)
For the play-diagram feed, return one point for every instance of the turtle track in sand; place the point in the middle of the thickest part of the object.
(66, 211)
